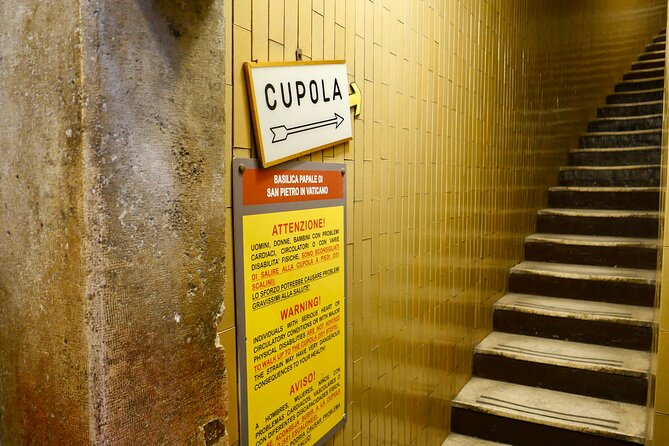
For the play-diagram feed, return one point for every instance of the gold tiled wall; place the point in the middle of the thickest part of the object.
(469, 108)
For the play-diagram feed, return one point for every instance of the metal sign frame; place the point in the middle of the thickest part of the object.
(240, 210)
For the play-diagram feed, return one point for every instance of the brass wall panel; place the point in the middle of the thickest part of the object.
(469, 108)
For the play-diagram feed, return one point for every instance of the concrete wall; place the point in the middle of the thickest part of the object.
(43, 336)
(112, 271)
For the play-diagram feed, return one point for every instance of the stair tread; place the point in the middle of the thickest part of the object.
(648, 79)
(658, 52)
(633, 104)
(586, 272)
(624, 132)
(577, 309)
(599, 213)
(627, 118)
(558, 409)
(604, 188)
(643, 70)
(463, 440)
(577, 355)
(615, 167)
(649, 90)
(614, 149)
(593, 240)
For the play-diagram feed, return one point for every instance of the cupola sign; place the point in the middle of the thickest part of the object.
(298, 107)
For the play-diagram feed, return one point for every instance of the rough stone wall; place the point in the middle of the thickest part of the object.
(43, 373)
(113, 133)
(154, 177)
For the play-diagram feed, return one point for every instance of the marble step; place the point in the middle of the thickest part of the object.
(660, 38)
(627, 123)
(611, 198)
(601, 323)
(647, 64)
(629, 252)
(632, 109)
(463, 440)
(651, 55)
(640, 84)
(655, 46)
(634, 138)
(619, 223)
(635, 96)
(610, 176)
(598, 283)
(644, 74)
(523, 415)
(585, 369)
(625, 156)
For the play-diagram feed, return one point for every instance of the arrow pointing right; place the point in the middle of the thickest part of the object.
(281, 132)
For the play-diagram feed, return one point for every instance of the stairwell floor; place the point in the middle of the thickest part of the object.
(548, 407)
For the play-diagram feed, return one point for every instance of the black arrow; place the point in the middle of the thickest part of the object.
(281, 132)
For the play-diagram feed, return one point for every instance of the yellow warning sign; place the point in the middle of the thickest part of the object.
(294, 319)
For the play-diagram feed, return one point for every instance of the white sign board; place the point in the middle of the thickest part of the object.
(298, 107)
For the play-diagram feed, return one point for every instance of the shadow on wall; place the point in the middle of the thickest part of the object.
(175, 25)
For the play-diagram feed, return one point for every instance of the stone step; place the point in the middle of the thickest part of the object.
(610, 198)
(627, 123)
(524, 416)
(646, 64)
(619, 223)
(660, 38)
(592, 370)
(635, 96)
(651, 55)
(620, 156)
(644, 74)
(610, 176)
(634, 138)
(463, 440)
(586, 282)
(655, 46)
(640, 84)
(626, 252)
(632, 109)
(601, 323)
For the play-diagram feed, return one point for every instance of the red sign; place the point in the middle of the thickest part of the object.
(288, 186)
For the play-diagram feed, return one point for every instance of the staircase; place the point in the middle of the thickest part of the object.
(568, 362)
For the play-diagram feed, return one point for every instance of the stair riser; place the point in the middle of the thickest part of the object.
(645, 65)
(614, 141)
(610, 386)
(624, 125)
(627, 111)
(659, 72)
(620, 158)
(631, 98)
(617, 227)
(626, 257)
(640, 85)
(583, 289)
(620, 335)
(649, 177)
(651, 56)
(522, 433)
(656, 46)
(638, 201)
